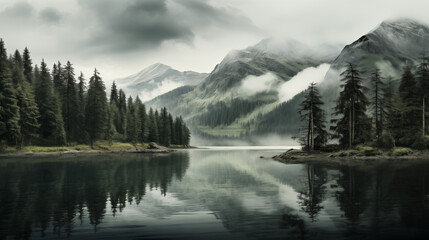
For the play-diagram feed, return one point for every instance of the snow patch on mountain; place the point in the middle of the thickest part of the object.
(156, 80)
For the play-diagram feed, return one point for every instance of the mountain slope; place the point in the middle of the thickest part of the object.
(391, 46)
(242, 87)
(158, 79)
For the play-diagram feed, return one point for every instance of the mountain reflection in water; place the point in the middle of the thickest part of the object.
(209, 194)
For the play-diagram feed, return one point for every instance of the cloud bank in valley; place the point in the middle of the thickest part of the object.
(301, 81)
(252, 85)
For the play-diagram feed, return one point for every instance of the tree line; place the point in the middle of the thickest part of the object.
(383, 115)
(43, 107)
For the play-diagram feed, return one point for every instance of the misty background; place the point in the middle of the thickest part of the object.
(123, 37)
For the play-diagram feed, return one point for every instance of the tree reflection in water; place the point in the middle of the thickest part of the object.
(53, 193)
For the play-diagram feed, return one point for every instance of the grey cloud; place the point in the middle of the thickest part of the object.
(146, 24)
(50, 15)
(205, 14)
(18, 11)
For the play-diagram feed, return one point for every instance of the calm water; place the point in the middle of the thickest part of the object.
(209, 194)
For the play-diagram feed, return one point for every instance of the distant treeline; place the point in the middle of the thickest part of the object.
(43, 107)
(382, 115)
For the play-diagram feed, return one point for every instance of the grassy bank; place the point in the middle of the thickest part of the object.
(99, 146)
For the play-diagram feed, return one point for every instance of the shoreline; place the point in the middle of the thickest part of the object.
(344, 158)
(94, 152)
(116, 148)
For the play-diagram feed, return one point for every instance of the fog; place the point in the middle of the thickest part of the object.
(252, 85)
(259, 140)
(301, 81)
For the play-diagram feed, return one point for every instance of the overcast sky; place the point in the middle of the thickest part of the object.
(121, 37)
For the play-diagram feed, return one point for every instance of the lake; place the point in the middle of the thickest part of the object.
(215, 193)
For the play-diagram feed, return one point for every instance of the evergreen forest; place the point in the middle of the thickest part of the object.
(371, 111)
(40, 106)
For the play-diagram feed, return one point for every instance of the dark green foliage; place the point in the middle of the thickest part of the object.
(110, 127)
(165, 131)
(158, 124)
(60, 108)
(9, 112)
(313, 131)
(114, 98)
(51, 120)
(353, 127)
(133, 122)
(419, 143)
(222, 113)
(29, 114)
(377, 104)
(387, 141)
(423, 85)
(28, 110)
(172, 129)
(283, 119)
(405, 119)
(81, 95)
(144, 131)
(153, 127)
(121, 120)
(422, 75)
(28, 68)
(71, 109)
(96, 108)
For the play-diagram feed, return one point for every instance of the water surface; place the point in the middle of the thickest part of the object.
(209, 194)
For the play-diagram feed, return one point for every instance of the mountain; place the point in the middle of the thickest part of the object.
(158, 79)
(390, 47)
(242, 87)
(242, 96)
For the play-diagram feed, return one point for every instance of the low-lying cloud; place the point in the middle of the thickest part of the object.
(301, 81)
(252, 85)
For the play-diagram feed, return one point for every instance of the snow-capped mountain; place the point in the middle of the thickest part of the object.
(158, 79)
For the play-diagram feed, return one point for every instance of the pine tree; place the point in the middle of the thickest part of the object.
(144, 131)
(423, 84)
(51, 121)
(81, 129)
(17, 59)
(165, 134)
(96, 108)
(114, 98)
(159, 125)
(9, 112)
(406, 120)
(133, 125)
(153, 127)
(28, 69)
(354, 126)
(172, 129)
(377, 104)
(387, 101)
(179, 131)
(314, 134)
(28, 110)
(110, 127)
(70, 105)
(186, 135)
(29, 114)
(121, 119)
